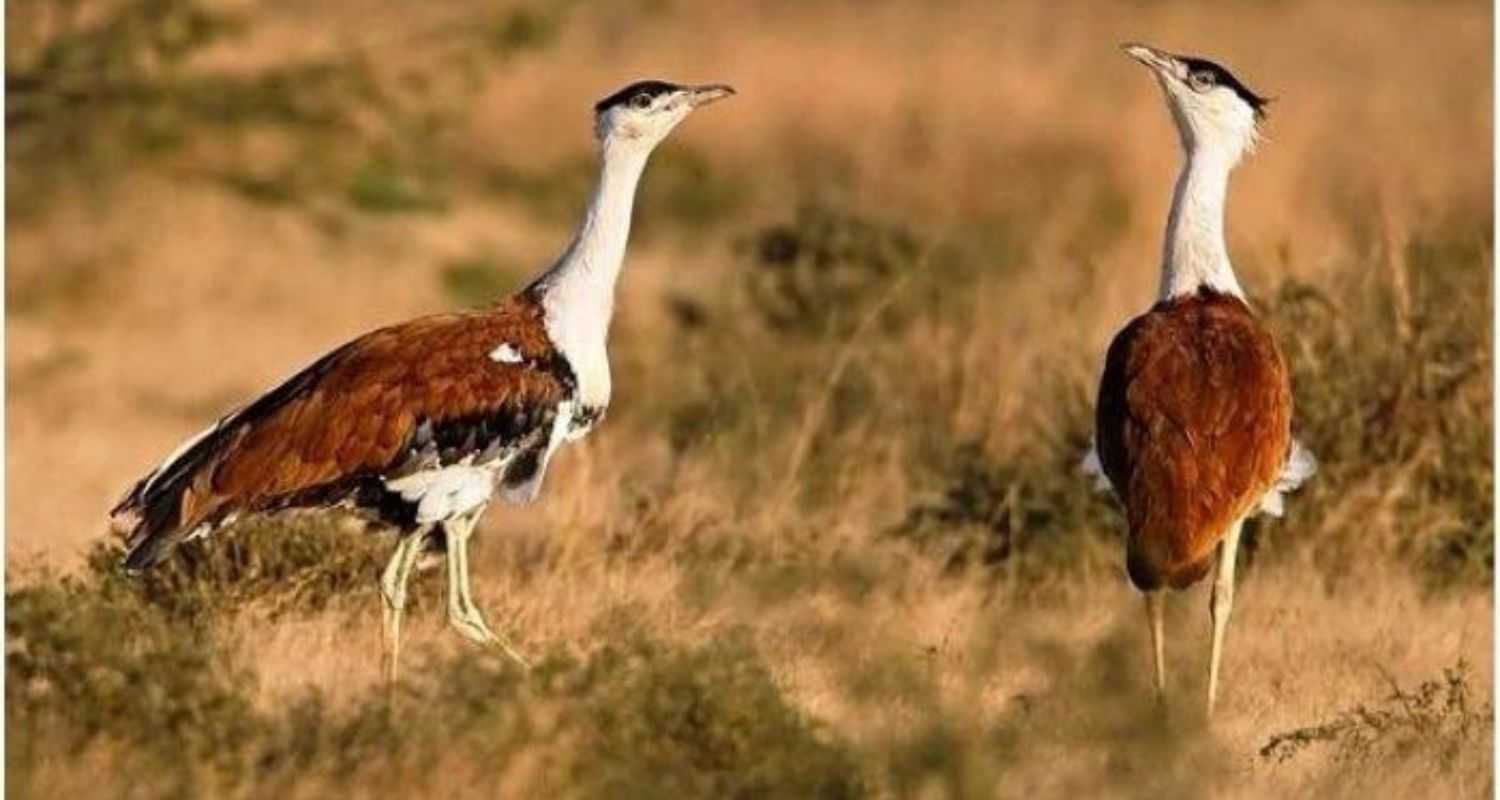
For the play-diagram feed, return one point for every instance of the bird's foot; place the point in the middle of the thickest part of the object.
(472, 626)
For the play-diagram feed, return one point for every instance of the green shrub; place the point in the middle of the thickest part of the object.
(288, 563)
(479, 280)
(1036, 509)
(524, 29)
(701, 722)
(819, 270)
(87, 664)
(90, 92)
(383, 186)
(92, 666)
(685, 189)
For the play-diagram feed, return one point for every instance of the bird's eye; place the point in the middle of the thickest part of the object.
(1201, 79)
(641, 101)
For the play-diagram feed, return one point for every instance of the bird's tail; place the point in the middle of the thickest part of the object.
(151, 516)
(146, 521)
(1150, 571)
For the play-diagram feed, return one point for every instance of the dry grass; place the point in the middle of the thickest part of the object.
(837, 553)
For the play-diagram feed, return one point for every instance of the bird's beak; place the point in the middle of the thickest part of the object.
(1160, 62)
(708, 93)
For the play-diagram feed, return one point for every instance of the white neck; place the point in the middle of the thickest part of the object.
(1195, 255)
(578, 292)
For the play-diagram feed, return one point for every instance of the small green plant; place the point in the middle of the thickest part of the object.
(478, 280)
(524, 29)
(277, 189)
(556, 193)
(382, 186)
(686, 190)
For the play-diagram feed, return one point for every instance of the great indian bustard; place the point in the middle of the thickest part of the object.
(419, 424)
(1193, 421)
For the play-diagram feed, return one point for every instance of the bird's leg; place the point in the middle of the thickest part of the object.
(463, 614)
(393, 596)
(1219, 605)
(1155, 607)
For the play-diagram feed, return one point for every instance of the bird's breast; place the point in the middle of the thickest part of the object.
(590, 367)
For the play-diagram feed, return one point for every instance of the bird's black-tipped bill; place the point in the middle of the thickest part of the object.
(711, 93)
(1151, 57)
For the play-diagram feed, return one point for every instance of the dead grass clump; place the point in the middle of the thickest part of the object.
(1438, 722)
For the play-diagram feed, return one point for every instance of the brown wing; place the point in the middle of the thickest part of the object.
(361, 410)
(1194, 425)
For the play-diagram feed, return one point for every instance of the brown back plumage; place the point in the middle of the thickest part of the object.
(1194, 426)
(355, 414)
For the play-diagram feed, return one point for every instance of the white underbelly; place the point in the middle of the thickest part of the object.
(447, 492)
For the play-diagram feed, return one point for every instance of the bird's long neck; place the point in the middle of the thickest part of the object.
(1195, 255)
(578, 292)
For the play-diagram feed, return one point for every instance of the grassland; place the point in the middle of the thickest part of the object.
(831, 540)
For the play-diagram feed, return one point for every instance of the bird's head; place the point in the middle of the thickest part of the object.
(643, 113)
(1213, 110)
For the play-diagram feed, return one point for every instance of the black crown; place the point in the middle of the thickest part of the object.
(650, 89)
(1223, 77)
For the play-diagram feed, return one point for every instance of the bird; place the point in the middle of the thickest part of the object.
(420, 424)
(1192, 426)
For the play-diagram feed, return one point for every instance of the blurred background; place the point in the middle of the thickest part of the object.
(832, 540)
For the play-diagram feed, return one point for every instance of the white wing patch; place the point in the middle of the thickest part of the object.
(1300, 465)
(446, 492)
(442, 493)
(506, 353)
